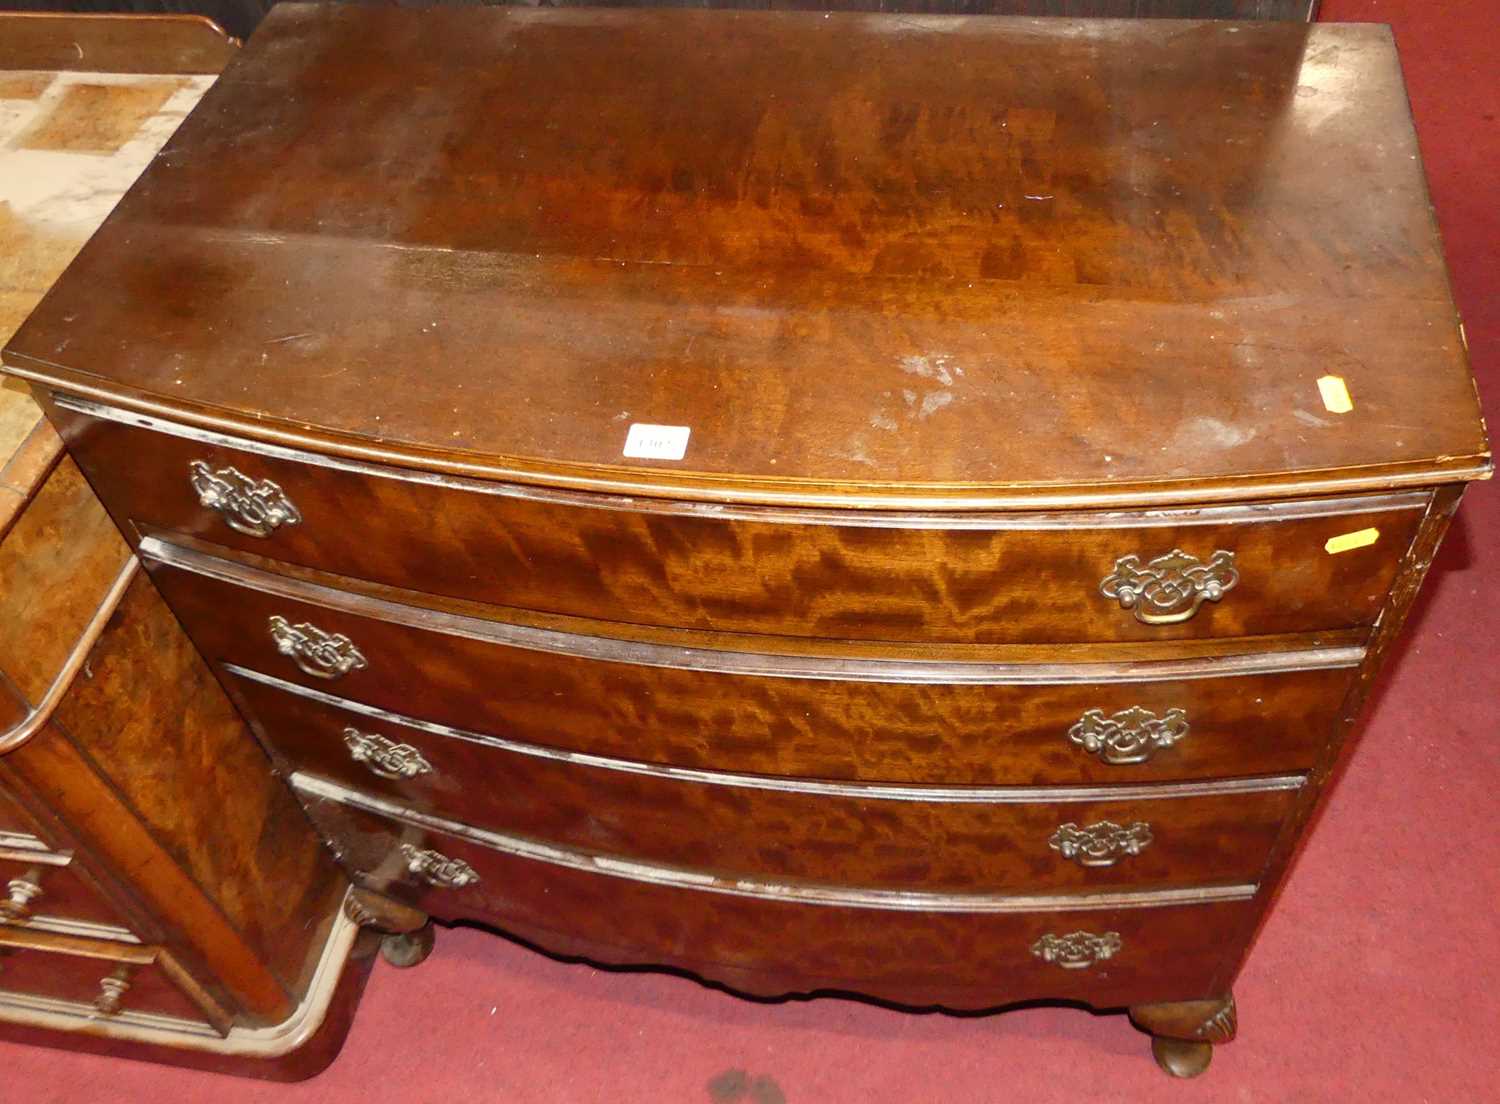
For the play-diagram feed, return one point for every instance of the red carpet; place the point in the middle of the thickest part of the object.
(1375, 980)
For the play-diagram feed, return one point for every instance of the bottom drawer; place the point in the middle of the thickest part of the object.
(914, 948)
(110, 980)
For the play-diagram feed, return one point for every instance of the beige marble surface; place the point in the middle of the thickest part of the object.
(70, 146)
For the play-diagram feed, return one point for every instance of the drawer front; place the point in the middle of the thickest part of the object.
(1005, 734)
(93, 977)
(760, 944)
(684, 566)
(48, 891)
(1027, 840)
(17, 828)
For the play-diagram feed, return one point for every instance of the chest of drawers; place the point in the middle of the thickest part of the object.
(161, 897)
(907, 507)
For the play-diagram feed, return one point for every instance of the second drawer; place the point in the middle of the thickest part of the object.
(988, 839)
(969, 723)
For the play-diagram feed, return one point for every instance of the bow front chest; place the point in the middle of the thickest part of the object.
(897, 505)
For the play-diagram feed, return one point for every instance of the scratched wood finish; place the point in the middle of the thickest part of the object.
(880, 731)
(955, 960)
(759, 832)
(986, 585)
(970, 258)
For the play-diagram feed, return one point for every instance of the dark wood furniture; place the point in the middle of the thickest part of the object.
(241, 17)
(1059, 444)
(161, 894)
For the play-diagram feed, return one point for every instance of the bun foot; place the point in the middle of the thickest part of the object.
(1181, 1058)
(408, 949)
(1184, 1033)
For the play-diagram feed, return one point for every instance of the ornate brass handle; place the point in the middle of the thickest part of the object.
(1102, 844)
(1170, 588)
(438, 869)
(383, 757)
(112, 990)
(1077, 950)
(1130, 736)
(20, 893)
(320, 654)
(255, 507)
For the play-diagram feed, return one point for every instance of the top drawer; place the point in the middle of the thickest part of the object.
(969, 578)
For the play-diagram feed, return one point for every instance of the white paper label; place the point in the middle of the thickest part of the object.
(657, 442)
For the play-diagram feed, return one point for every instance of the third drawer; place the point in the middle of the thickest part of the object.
(956, 838)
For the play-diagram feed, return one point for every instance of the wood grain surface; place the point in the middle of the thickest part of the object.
(841, 838)
(994, 580)
(874, 730)
(105, 43)
(860, 256)
(56, 562)
(155, 724)
(951, 959)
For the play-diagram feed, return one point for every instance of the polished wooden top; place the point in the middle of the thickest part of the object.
(866, 259)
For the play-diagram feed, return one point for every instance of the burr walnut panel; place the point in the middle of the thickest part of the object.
(819, 727)
(54, 563)
(983, 579)
(153, 721)
(948, 838)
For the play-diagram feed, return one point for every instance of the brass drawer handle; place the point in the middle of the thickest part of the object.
(436, 868)
(20, 893)
(255, 507)
(1102, 844)
(320, 654)
(1078, 950)
(112, 990)
(1170, 588)
(383, 757)
(1130, 736)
